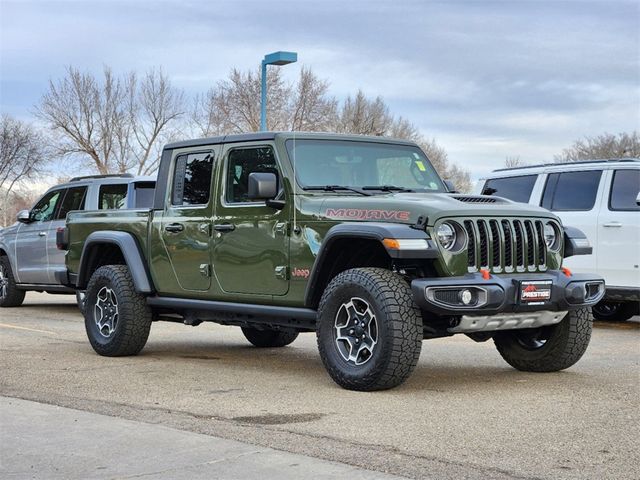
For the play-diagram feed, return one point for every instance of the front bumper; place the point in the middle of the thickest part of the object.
(500, 294)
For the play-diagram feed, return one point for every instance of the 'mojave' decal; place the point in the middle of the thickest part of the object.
(367, 214)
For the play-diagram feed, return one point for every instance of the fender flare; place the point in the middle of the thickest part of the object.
(370, 231)
(131, 252)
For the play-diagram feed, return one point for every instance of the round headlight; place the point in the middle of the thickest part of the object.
(550, 235)
(446, 236)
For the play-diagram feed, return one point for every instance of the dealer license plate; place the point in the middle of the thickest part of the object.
(535, 292)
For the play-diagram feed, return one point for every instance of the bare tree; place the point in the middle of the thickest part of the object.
(23, 153)
(364, 116)
(603, 146)
(514, 161)
(311, 107)
(116, 123)
(233, 104)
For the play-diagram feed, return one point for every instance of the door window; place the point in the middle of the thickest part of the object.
(517, 188)
(73, 200)
(46, 207)
(241, 162)
(571, 191)
(113, 197)
(192, 179)
(624, 190)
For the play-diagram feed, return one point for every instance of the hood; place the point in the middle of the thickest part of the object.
(407, 207)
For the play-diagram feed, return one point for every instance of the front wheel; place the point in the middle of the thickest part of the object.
(369, 329)
(117, 318)
(547, 349)
(614, 311)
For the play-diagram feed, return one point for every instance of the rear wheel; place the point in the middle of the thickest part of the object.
(615, 311)
(269, 338)
(10, 296)
(369, 329)
(117, 318)
(550, 348)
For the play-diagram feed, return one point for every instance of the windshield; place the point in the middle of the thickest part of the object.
(364, 165)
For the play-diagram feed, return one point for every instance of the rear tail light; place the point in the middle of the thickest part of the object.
(62, 238)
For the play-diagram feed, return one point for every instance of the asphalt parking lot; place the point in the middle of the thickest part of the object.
(463, 414)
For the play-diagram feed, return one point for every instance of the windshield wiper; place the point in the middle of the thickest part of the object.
(387, 188)
(335, 188)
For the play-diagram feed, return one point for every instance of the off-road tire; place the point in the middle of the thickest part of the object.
(399, 329)
(565, 344)
(13, 297)
(269, 338)
(134, 315)
(614, 311)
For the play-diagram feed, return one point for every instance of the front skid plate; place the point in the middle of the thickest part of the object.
(506, 321)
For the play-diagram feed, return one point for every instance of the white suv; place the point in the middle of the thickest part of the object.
(601, 198)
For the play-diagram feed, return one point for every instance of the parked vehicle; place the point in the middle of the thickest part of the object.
(601, 198)
(355, 238)
(29, 256)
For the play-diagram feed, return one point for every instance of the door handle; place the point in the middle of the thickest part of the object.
(42, 234)
(612, 224)
(224, 227)
(174, 227)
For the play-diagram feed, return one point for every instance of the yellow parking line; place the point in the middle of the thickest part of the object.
(25, 328)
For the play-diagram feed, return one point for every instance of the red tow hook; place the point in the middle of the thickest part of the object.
(566, 271)
(485, 274)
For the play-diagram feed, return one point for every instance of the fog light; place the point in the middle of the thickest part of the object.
(466, 297)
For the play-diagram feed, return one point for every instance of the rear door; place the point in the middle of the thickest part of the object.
(72, 199)
(619, 229)
(186, 220)
(31, 240)
(576, 197)
(251, 240)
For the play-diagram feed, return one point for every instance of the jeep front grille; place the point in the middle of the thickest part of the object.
(505, 245)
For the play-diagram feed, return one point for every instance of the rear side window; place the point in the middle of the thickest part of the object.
(517, 189)
(113, 197)
(571, 191)
(144, 194)
(73, 200)
(192, 179)
(624, 190)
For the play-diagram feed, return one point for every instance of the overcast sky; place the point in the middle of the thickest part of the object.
(485, 79)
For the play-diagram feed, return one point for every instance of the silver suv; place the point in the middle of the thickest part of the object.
(29, 256)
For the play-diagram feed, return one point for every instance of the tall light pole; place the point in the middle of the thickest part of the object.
(275, 58)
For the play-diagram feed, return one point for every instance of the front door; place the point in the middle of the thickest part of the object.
(31, 241)
(186, 221)
(619, 230)
(251, 240)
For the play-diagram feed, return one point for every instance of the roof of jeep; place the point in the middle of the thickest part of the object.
(254, 137)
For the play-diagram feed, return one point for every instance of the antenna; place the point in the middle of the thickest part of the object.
(295, 183)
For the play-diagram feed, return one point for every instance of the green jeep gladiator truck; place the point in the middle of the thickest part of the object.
(355, 238)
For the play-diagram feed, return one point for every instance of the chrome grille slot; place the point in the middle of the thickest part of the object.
(471, 243)
(531, 243)
(496, 243)
(505, 245)
(484, 243)
(542, 247)
(508, 243)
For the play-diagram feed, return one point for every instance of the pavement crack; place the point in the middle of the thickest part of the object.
(183, 467)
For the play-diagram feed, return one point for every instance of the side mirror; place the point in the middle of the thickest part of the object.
(451, 187)
(262, 186)
(24, 216)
